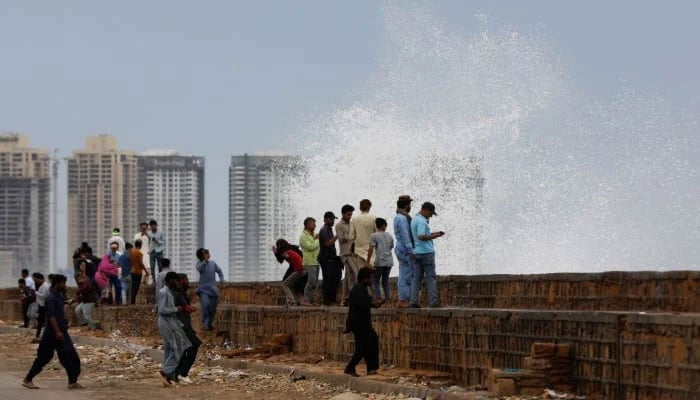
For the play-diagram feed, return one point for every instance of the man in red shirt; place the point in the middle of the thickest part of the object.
(292, 254)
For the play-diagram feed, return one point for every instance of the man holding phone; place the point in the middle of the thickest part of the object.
(424, 252)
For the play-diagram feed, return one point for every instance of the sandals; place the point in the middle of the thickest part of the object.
(29, 385)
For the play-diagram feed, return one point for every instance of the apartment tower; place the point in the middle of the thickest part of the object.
(102, 193)
(171, 191)
(260, 212)
(25, 188)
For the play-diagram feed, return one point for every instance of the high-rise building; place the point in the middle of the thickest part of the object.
(171, 191)
(102, 193)
(25, 188)
(260, 212)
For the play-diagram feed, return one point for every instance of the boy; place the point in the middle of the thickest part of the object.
(87, 297)
(383, 242)
(56, 339)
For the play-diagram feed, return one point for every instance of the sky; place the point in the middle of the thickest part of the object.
(220, 78)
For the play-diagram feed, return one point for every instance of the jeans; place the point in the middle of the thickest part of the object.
(288, 287)
(84, 313)
(425, 265)
(117, 283)
(40, 320)
(126, 288)
(311, 282)
(208, 312)
(135, 286)
(406, 266)
(367, 347)
(383, 275)
(66, 355)
(155, 264)
(25, 312)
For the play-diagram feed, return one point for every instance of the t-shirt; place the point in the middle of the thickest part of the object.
(136, 260)
(383, 243)
(125, 263)
(419, 227)
(294, 260)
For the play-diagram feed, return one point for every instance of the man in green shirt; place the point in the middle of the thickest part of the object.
(309, 248)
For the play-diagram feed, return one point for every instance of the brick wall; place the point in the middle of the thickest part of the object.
(674, 291)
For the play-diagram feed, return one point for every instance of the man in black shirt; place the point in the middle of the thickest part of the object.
(190, 355)
(359, 322)
(56, 339)
(331, 265)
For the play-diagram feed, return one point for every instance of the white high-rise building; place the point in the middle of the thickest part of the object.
(171, 191)
(260, 212)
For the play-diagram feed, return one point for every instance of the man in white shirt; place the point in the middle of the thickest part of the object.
(28, 281)
(116, 237)
(145, 246)
(42, 293)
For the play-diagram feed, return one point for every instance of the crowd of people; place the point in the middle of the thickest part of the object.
(362, 241)
(365, 257)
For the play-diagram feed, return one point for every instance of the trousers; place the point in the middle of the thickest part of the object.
(66, 355)
(367, 347)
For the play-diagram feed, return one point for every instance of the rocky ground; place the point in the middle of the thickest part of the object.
(111, 373)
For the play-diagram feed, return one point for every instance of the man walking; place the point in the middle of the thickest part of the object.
(56, 339)
(404, 248)
(208, 290)
(331, 265)
(308, 241)
(359, 322)
(182, 300)
(170, 327)
(424, 255)
(142, 235)
(157, 245)
(363, 226)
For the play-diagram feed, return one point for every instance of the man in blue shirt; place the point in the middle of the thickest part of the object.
(208, 291)
(56, 339)
(424, 252)
(404, 248)
(125, 264)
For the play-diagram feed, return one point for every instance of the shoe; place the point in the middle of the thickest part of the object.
(184, 380)
(415, 305)
(351, 373)
(167, 382)
(76, 385)
(403, 304)
(29, 384)
(372, 372)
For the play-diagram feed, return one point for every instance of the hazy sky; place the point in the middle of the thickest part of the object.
(218, 78)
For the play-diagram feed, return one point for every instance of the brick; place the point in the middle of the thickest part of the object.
(505, 387)
(563, 350)
(543, 349)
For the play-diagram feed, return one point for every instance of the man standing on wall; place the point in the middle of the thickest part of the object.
(208, 290)
(117, 238)
(425, 256)
(308, 241)
(157, 245)
(142, 235)
(138, 269)
(331, 265)
(352, 262)
(404, 248)
(359, 322)
(363, 226)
